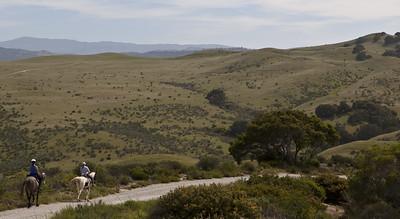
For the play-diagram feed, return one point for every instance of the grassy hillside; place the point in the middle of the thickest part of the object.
(353, 148)
(112, 107)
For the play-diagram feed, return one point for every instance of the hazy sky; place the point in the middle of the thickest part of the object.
(248, 23)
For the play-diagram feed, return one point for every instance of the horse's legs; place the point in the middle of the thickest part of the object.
(88, 192)
(29, 199)
(32, 201)
(79, 193)
(37, 198)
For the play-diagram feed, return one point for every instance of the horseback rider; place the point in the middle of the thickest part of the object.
(85, 171)
(34, 171)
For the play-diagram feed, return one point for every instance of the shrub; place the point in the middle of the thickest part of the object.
(326, 111)
(138, 173)
(375, 184)
(334, 187)
(362, 56)
(214, 201)
(358, 48)
(217, 97)
(208, 163)
(228, 168)
(128, 210)
(286, 197)
(248, 166)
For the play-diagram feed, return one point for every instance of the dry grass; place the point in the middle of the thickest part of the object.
(166, 96)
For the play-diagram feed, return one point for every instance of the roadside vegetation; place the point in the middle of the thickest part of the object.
(370, 192)
(128, 210)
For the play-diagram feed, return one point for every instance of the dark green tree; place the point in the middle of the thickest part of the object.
(289, 136)
(374, 187)
(326, 111)
(358, 48)
(238, 127)
(343, 108)
(217, 97)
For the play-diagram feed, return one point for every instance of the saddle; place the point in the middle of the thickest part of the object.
(36, 177)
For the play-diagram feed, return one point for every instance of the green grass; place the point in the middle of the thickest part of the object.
(128, 210)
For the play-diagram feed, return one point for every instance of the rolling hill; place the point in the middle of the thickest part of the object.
(113, 107)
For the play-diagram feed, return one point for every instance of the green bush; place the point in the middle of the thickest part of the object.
(362, 56)
(214, 201)
(375, 184)
(248, 166)
(217, 97)
(124, 180)
(137, 173)
(128, 210)
(334, 187)
(228, 168)
(326, 111)
(208, 163)
(260, 197)
(358, 48)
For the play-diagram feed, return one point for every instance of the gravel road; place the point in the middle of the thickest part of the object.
(139, 194)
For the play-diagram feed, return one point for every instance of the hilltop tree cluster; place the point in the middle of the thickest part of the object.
(390, 40)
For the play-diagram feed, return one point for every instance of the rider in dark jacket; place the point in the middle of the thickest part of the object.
(34, 171)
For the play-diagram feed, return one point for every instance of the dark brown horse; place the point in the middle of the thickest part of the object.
(32, 188)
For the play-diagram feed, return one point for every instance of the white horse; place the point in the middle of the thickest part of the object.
(82, 183)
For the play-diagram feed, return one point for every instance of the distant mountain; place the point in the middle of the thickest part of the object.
(16, 54)
(177, 53)
(65, 46)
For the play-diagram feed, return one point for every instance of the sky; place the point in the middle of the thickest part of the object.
(247, 23)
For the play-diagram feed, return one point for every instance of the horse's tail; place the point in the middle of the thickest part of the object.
(23, 188)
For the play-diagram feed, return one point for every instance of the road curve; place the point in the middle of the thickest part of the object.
(140, 194)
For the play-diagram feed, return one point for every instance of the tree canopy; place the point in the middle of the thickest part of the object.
(217, 97)
(374, 187)
(289, 136)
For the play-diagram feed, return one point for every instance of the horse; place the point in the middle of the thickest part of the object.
(82, 183)
(31, 186)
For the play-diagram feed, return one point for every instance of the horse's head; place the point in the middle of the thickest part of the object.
(93, 176)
